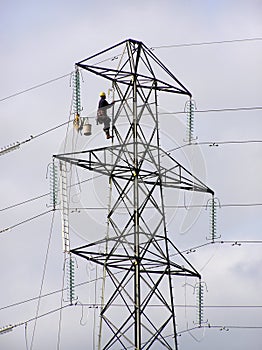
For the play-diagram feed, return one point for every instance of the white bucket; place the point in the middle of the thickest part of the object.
(87, 129)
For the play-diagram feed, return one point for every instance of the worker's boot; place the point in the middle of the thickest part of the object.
(108, 136)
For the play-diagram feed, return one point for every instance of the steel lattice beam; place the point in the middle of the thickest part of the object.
(99, 160)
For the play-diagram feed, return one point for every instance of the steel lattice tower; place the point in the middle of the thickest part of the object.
(139, 258)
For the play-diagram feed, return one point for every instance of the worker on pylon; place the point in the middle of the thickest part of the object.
(102, 116)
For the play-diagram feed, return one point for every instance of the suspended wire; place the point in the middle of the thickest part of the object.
(101, 208)
(229, 109)
(208, 326)
(46, 314)
(50, 293)
(233, 327)
(61, 306)
(214, 143)
(69, 120)
(39, 316)
(221, 205)
(95, 313)
(24, 221)
(210, 258)
(231, 242)
(206, 43)
(35, 298)
(45, 194)
(152, 48)
(18, 144)
(52, 129)
(35, 87)
(26, 337)
(25, 201)
(77, 209)
(43, 277)
(228, 142)
(189, 250)
(221, 328)
(104, 208)
(93, 305)
(233, 109)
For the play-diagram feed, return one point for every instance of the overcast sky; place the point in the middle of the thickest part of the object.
(41, 41)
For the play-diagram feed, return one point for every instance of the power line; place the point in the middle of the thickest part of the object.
(101, 208)
(25, 201)
(16, 145)
(227, 327)
(42, 280)
(104, 208)
(25, 221)
(177, 206)
(152, 48)
(37, 317)
(97, 305)
(231, 242)
(221, 328)
(190, 250)
(52, 129)
(239, 242)
(206, 43)
(232, 306)
(214, 144)
(211, 110)
(46, 194)
(232, 142)
(41, 214)
(35, 87)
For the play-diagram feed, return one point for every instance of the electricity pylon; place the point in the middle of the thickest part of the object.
(139, 257)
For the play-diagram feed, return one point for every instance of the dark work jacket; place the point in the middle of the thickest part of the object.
(104, 104)
(102, 117)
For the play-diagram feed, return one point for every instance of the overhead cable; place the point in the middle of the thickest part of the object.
(17, 144)
(190, 250)
(206, 43)
(77, 209)
(215, 143)
(10, 327)
(211, 110)
(35, 87)
(25, 201)
(25, 221)
(255, 204)
(46, 194)
(152, 48)
(42, 280)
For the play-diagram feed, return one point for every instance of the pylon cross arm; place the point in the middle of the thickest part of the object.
(126, 78)
(174, 175)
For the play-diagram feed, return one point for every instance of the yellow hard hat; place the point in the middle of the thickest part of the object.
(102, 94)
